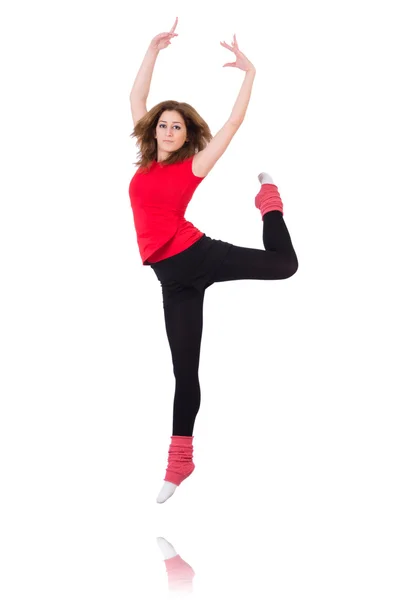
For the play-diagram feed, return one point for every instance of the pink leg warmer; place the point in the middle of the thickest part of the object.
(268, 199)
(180, 459)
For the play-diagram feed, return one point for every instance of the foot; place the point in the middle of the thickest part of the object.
(166, 491)
(268, 197)
(180, 465)
(265, 178)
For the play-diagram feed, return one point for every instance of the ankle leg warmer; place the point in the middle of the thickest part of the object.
(268, 198)
(180, 459)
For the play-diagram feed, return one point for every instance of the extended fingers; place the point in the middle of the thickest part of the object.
(234, 42)
(174, 26)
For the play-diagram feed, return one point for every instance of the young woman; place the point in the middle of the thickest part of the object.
(177, 151)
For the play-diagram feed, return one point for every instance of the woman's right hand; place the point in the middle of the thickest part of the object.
(162, 40)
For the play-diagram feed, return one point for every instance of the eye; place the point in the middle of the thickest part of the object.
(161, 124)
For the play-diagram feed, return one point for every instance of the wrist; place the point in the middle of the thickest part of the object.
(152, 50)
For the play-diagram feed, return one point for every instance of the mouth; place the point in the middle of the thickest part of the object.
(168, 141)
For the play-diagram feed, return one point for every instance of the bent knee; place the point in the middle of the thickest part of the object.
(291, 266)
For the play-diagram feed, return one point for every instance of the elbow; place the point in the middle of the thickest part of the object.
(236, 122)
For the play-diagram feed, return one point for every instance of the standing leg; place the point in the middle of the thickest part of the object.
(184, 325)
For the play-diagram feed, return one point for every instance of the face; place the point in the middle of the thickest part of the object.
(171, 133)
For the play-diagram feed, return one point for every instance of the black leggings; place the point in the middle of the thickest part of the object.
(184, 278)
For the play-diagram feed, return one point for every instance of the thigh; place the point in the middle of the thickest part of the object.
(183, 315)
(250, 263)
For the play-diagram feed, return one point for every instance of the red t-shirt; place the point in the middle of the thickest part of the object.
(159, 199)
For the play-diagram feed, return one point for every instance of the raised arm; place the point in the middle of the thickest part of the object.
(243, 98)
(141, 87)
(204, 160)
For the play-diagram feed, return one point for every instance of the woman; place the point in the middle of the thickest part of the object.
(177, 151)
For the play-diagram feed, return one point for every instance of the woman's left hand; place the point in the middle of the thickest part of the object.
(242, 61)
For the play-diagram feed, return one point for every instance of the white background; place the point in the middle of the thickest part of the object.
(294, 491)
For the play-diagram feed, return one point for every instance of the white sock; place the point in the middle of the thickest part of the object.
(265, 178)
(166, 491)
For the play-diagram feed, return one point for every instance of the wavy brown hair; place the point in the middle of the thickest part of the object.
(198, 133)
